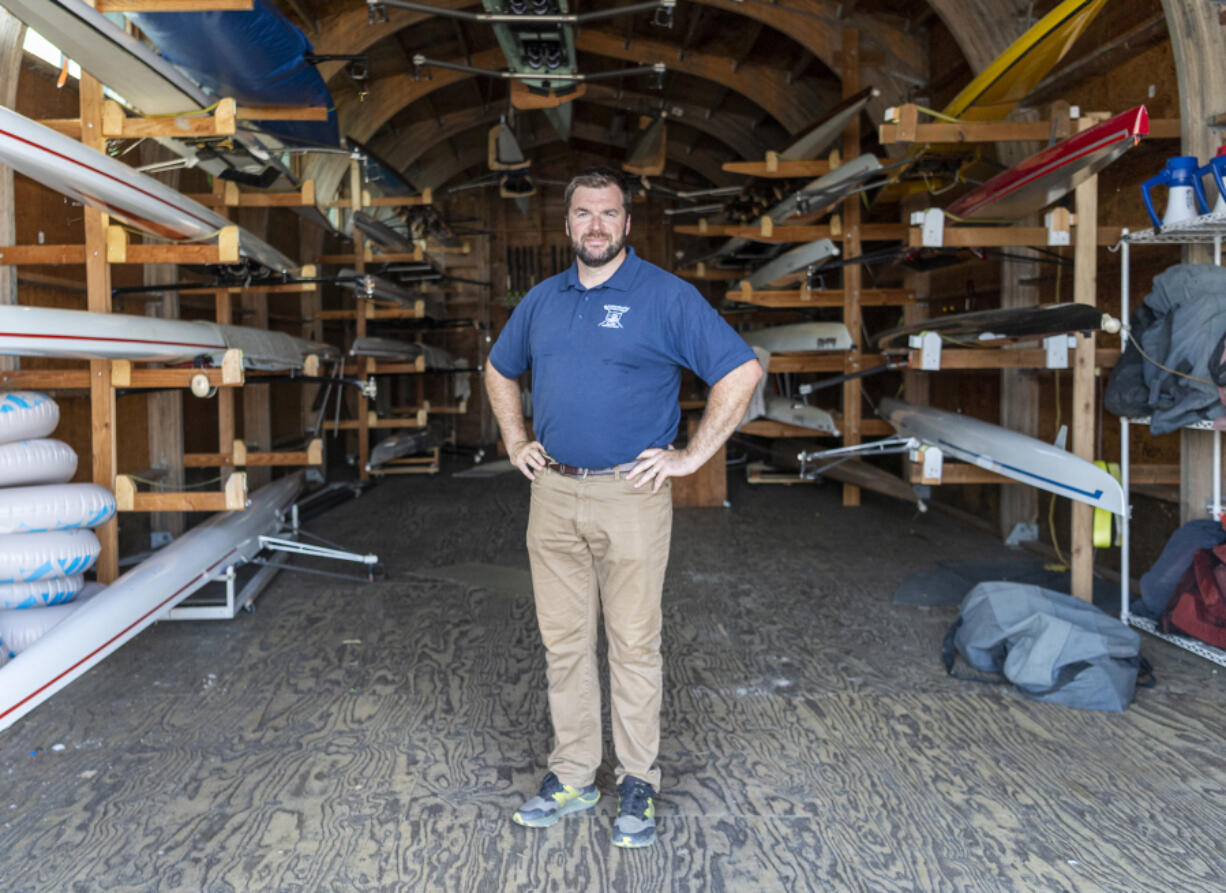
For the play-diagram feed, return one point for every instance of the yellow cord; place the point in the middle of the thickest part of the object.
(166, 241)
(1150, 359)
(188, 114)
(956, 219)
(941, 116)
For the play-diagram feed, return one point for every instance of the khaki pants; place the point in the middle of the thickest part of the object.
(595, 543)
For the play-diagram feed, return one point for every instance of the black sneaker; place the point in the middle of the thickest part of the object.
(553, 801)
(635, 824)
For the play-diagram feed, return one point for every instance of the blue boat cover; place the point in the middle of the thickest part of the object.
(257, 57)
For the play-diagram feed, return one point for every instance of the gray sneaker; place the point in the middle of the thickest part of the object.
(553, 801)
(635, 824)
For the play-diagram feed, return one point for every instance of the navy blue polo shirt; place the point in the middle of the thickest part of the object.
(606, 362)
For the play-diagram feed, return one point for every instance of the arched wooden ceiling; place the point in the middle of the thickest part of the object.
(744, 76)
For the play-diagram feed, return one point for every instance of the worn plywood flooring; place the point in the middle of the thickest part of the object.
(376, 737)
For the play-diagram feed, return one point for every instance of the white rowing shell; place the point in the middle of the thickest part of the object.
(1006, 452)
(801, 336)
(781, 409)
(92, 178)
(80, 334)
(139, 598)
(795, 261)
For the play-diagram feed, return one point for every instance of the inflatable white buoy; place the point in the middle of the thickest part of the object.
(22, 627)
(37, 593)
(26, 414)
(55, 507)
(42, 461)
(43, 556)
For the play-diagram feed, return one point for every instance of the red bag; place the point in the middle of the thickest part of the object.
(1198, 606)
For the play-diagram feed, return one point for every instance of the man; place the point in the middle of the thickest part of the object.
(606, 341)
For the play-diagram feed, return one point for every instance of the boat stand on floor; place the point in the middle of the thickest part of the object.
(232, 590)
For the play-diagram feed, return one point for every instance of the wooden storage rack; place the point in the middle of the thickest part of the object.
(104, 245)
(365, 419)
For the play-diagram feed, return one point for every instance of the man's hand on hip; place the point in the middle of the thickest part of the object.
(656, 465)
(529, 457)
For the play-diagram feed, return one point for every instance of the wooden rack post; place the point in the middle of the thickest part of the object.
(98, 300)
(1085, 283)
(366, 364)
(852, 273)
(1087, 237)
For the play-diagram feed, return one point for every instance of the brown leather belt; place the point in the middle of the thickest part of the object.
(574, 471)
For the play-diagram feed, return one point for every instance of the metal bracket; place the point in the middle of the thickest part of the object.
(296, 547)
(358, 67)
(663, 16)
(376, 12)
(1057, 348)
(528, 17)
(884, 447)
(932, 227)
(931, 461)
(1023, 533)
(1058, 233)
(929, 346)
(422, 65)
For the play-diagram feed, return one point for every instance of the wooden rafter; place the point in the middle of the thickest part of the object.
(744, 44)
(439, 171)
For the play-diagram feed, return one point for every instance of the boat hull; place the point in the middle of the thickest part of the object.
(139, 598)
(1007, 453)
(1048, 176)
(80, 334)
(1005, 324)
(781, 409)
(793, 263)
(97, 180)
(801, 336)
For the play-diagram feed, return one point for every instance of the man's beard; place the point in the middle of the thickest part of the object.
(590, 259)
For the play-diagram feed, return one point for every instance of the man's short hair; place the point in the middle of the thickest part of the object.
(597, 178)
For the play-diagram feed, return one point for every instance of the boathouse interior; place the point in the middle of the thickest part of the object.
(350, 693)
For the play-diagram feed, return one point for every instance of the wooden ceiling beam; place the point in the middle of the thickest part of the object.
(387, 96)
(413, 142)
(691, 32)
(438, 173)
(745, 43)
(812, 23)
(793, 105)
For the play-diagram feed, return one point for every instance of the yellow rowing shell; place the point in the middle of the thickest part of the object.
(1003, 84)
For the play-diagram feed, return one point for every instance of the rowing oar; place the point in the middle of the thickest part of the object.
(806, 389)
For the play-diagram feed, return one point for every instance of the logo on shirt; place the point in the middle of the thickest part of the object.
(613, 314)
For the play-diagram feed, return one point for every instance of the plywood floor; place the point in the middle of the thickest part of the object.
(377, 737)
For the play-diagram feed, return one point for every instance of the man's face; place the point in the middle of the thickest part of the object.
(597, 224)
